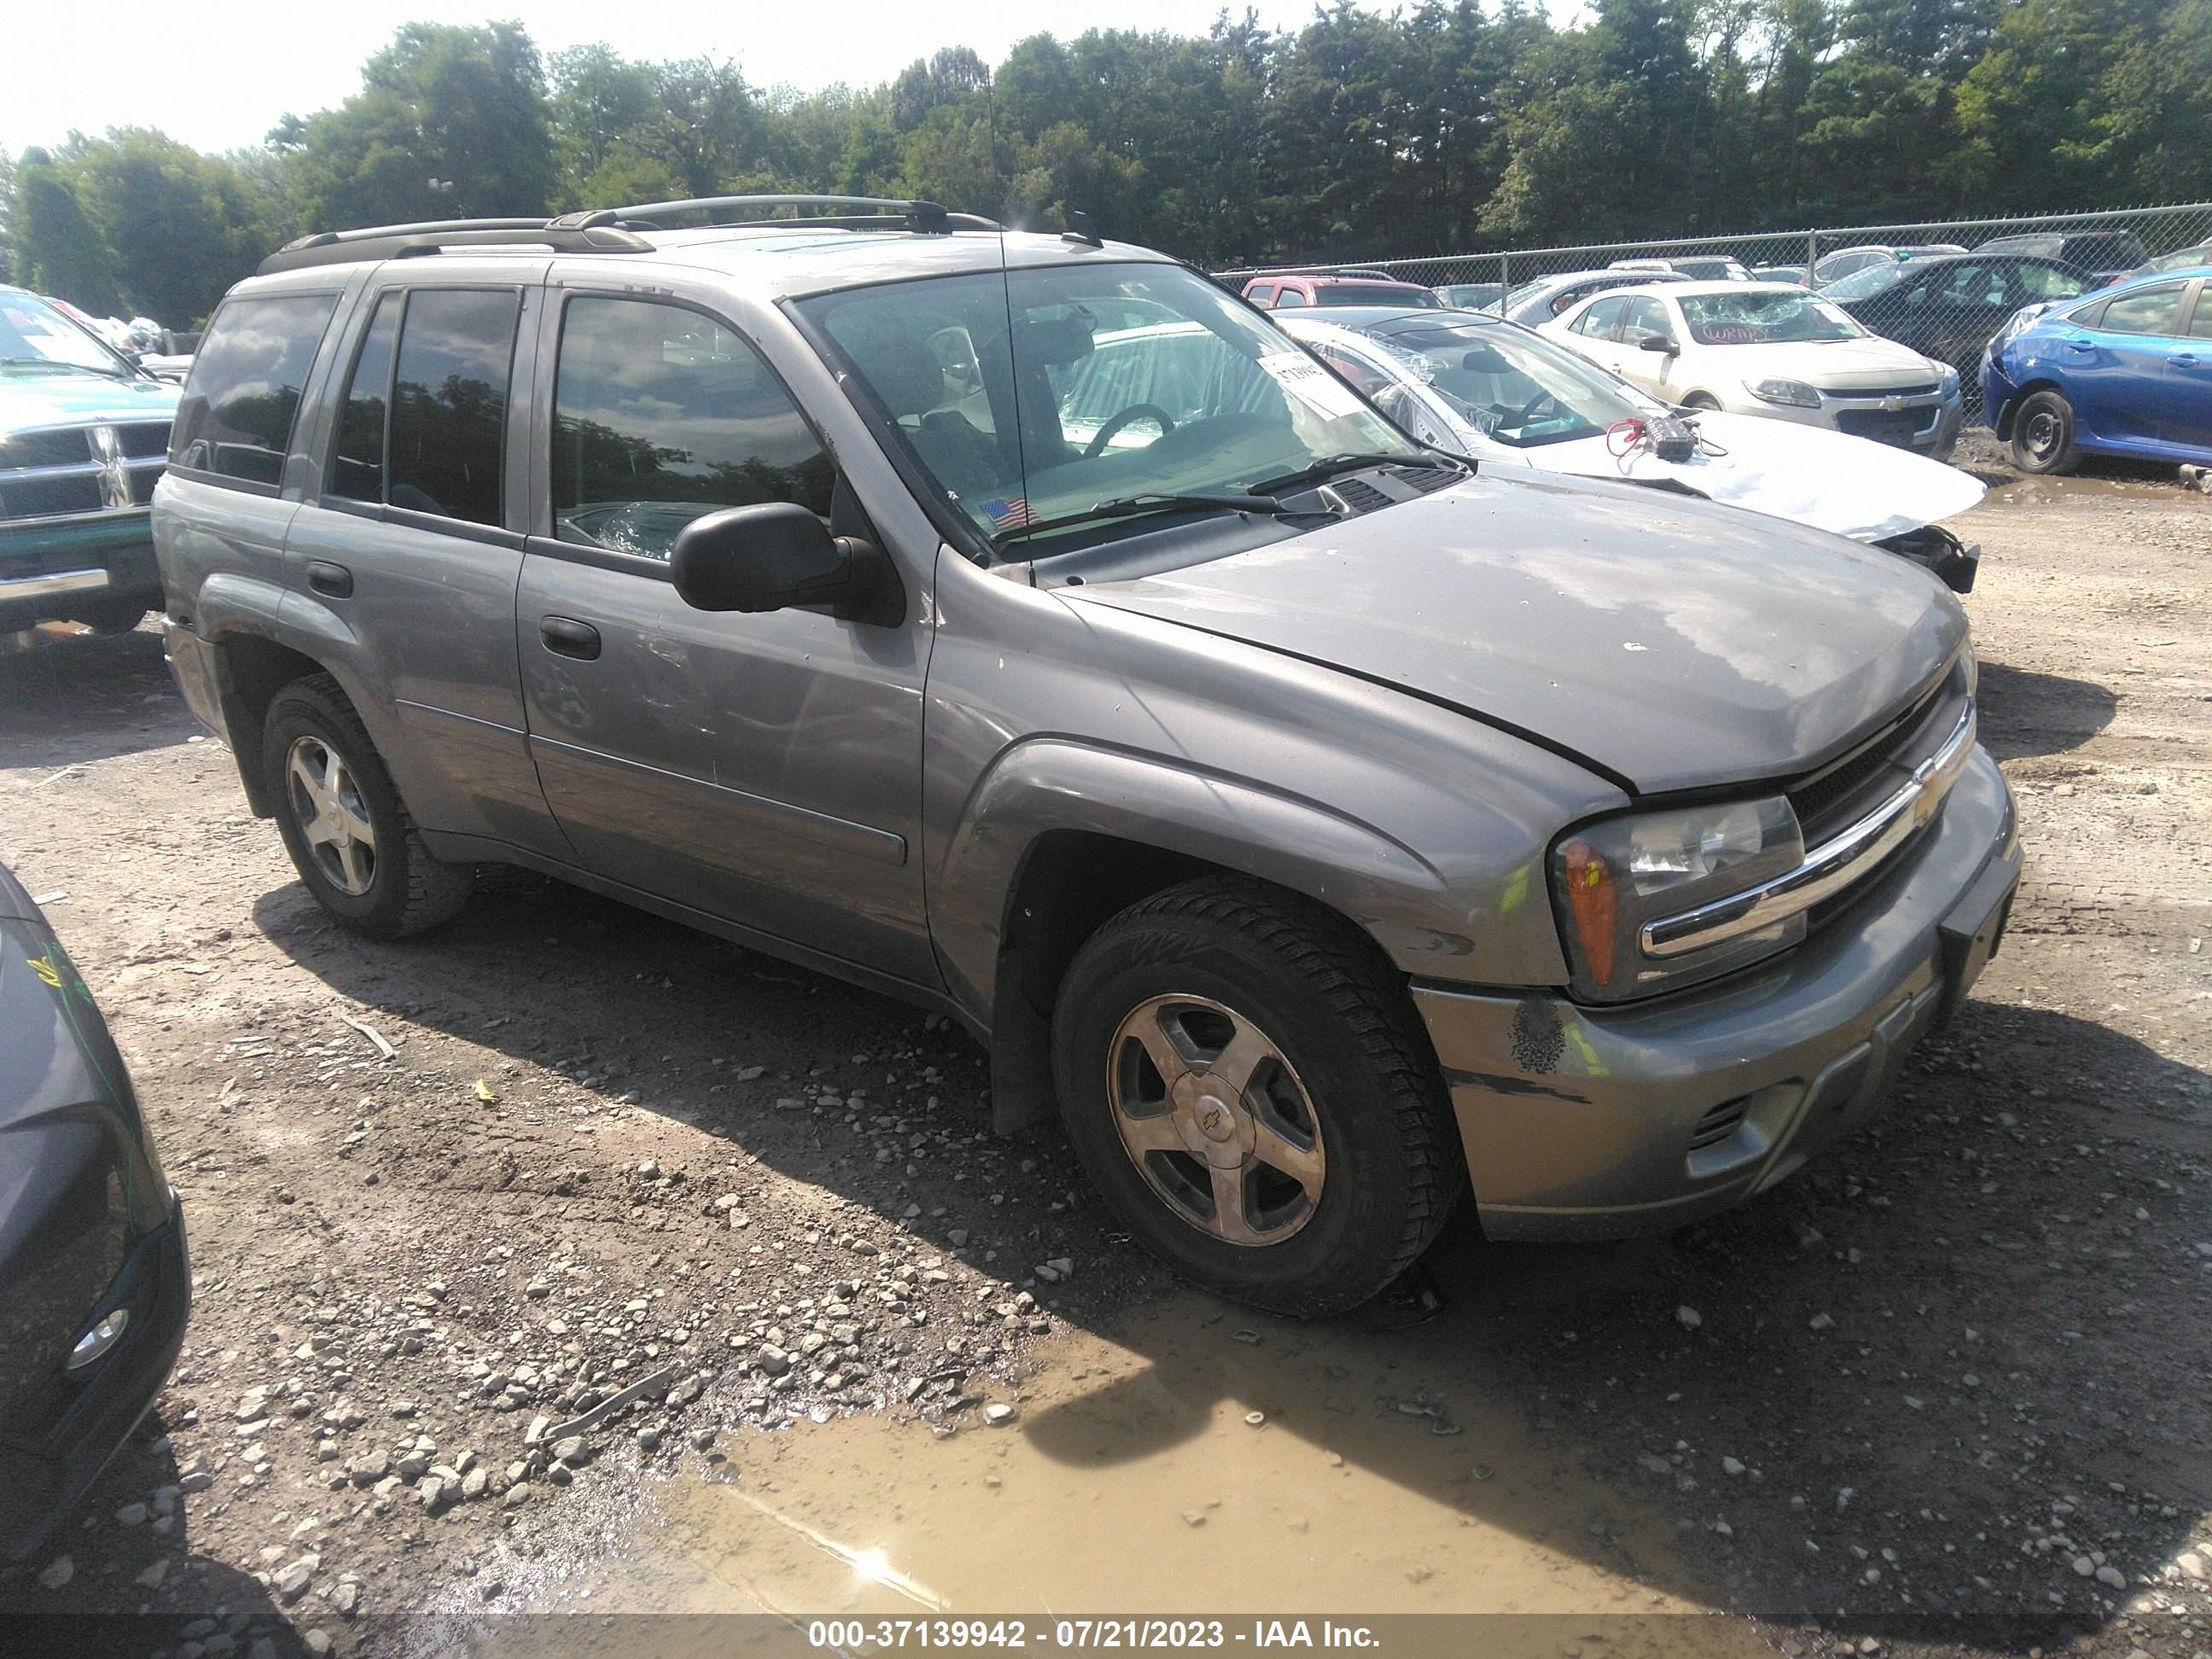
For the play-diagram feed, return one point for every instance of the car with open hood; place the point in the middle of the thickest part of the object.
(1772, 349)
(82, 433)
(1321, 825)
(94, 1287)
(1509, 396)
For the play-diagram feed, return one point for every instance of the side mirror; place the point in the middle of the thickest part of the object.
(1658, 342)
(779, 556)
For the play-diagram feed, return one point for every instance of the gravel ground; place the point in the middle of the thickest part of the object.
(491, 1227)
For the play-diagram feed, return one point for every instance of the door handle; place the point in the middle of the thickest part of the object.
(566, 637)
(2185, 360)
(2078, 345)
(332, 580)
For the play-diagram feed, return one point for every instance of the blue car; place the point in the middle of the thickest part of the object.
(2124, 371)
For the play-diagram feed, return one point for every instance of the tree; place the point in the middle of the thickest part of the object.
(175, 223)
(450, 123)
(58, 249)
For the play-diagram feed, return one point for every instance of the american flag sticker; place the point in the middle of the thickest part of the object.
(1009, 515)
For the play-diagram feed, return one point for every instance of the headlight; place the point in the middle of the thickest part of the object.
(1948, 381)
(1613, 877)
(1795, 393)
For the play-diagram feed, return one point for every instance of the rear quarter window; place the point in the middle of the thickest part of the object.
(242, 397)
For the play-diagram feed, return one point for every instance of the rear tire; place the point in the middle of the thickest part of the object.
(348, 831)
(1702, 400)
(1319, 1161)
(2043, 434)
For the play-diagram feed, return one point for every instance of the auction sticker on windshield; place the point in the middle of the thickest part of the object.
(1312, 385)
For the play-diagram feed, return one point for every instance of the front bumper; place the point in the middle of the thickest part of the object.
(47, 1467)
(63, 568)
(1583, 1122)
(1926, 423)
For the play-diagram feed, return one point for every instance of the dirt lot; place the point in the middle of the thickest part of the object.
(1959, 1369)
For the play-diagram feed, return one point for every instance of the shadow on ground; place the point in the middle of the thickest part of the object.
(1917, 1380)
(69, 699)
(2023, 713)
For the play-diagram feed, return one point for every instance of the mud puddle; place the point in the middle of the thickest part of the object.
(1184, 1468)
(2163, 489)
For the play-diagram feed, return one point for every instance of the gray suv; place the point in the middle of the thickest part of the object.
(1323, 828)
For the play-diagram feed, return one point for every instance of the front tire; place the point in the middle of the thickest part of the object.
(348, 831)
(1250, 1089)
(1703, 402)
(2043, 434)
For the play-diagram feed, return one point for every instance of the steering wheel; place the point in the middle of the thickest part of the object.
(1112, 430)
(1528, 410)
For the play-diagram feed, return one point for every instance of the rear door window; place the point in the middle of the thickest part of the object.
(448, 420)
(1645, 317)
(236, 418)
(357, 469)
(2148, 311)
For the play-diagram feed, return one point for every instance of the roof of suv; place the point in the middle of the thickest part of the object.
(774, 260)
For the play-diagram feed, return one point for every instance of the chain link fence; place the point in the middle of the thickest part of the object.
(1941, 287)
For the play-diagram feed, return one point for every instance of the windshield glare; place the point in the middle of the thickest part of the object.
(33, 332)
(1035, 394)
(1511, 387)
(1764, 318)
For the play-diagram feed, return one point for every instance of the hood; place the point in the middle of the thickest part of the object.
(1833, 365)
(43, 398)
(1675, 644)
(1831, 481)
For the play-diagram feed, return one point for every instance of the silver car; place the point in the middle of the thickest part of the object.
(1321, 828)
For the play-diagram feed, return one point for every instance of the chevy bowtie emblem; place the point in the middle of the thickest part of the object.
(1892, 404)
(114, 477)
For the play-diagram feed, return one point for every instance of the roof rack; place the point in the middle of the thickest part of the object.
(873, 212)
(610, 230)
(332, 247)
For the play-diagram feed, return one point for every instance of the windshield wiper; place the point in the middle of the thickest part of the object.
(1328, 466)
(1127, 506)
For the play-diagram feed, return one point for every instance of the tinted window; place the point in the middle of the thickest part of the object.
(661, 415)
(357, 469)
(236, 418)
(1375, 294)
(2148, 311)
(1262, 294)
(2201, 327)
(1598, 321)
(1292, 296)
(449, 402)
(1974, 284)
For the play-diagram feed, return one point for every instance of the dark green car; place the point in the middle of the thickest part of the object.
(84, 433)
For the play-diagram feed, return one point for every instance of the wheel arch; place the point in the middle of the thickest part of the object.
(2001, 422)
(250, 670)
(1059, 835)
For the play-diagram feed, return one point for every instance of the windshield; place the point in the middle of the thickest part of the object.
(1868, 281)
(1763, 317)
(1030, 395)
(1515, 387)
(33, 334)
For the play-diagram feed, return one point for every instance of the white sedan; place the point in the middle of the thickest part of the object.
(1481, 386)
(1768, 348)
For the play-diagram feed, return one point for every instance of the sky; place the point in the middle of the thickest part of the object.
(218, 75)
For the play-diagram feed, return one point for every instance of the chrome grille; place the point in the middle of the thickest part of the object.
(70, 471)
(1846, 788)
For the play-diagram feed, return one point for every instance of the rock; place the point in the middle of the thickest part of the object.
(57, 1573)
(195, 1481)
(1820, 1322)
(292, 1582)
(536, 1432)
(569, 1448)
(134, 1515)
(2085, 1566)
(413, 1467)
(1731, 1465)
(1193, 1518)
(434, 1491)
(649, 1439)
(2112, 1576)
(517, 1495)
(473, 1484)
(369, 1468)
(253, 1404)
(404, 1407)
(1688, 1317)
(997, 1416)
(317, 1642)
(2191, 1565)
(560, 1475)
(152, 1577)
(346, 1598)
(772, 1359)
